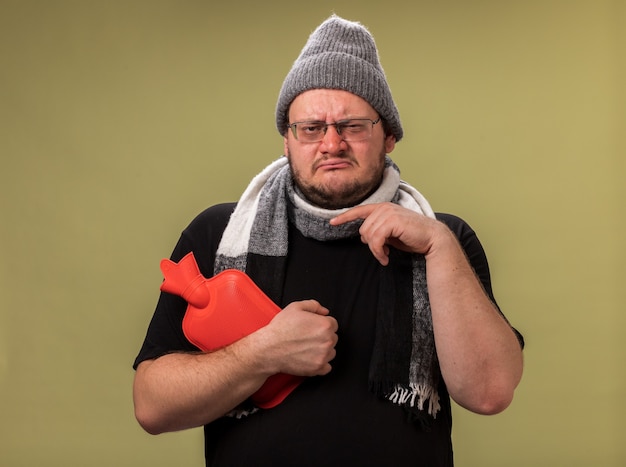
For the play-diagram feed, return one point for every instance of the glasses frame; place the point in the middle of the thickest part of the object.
(337, 125)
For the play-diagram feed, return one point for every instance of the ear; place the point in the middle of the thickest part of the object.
(390, 143)
(285, 147)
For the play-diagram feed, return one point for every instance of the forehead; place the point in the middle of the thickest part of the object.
(334, 104)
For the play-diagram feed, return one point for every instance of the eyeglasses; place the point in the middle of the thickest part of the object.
(355, 129)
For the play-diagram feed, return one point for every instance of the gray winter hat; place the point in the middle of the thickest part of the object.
(340, 54)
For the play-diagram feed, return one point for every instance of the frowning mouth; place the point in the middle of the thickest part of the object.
(334, 164)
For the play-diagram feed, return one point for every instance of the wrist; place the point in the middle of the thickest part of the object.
(251, 353)
(443, 241)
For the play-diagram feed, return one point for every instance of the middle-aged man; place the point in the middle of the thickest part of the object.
(387, 307)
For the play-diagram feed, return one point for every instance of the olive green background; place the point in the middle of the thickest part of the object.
(121, 120)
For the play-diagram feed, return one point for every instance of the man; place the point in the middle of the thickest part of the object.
(387, 308)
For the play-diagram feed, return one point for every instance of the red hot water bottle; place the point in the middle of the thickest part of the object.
(222, 310)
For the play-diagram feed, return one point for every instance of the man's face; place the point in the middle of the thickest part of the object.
(333, 173)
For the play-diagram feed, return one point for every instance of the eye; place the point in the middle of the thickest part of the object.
(311, 128)
(353, 127)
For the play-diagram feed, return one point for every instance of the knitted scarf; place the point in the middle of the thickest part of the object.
(404, 367)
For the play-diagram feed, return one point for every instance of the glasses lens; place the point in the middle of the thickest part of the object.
(310, 131)
(355, 130)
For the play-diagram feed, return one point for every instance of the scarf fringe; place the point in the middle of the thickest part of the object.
(239, 413)
(416, 395)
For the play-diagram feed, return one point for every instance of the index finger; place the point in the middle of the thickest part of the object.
(313, 306)
(352, 214)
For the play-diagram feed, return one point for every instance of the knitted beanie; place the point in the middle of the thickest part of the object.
(339, 54)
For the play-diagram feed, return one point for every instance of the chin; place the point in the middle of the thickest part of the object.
(329, 199)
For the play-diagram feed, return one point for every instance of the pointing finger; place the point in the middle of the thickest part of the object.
(352, 214)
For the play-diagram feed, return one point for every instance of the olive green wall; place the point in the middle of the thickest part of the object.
(121, 120)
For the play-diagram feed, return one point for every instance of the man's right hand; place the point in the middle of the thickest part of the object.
(300, 340)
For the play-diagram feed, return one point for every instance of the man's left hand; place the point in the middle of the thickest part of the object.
(387, 224)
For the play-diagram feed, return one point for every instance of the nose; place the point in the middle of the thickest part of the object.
(332, 142)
